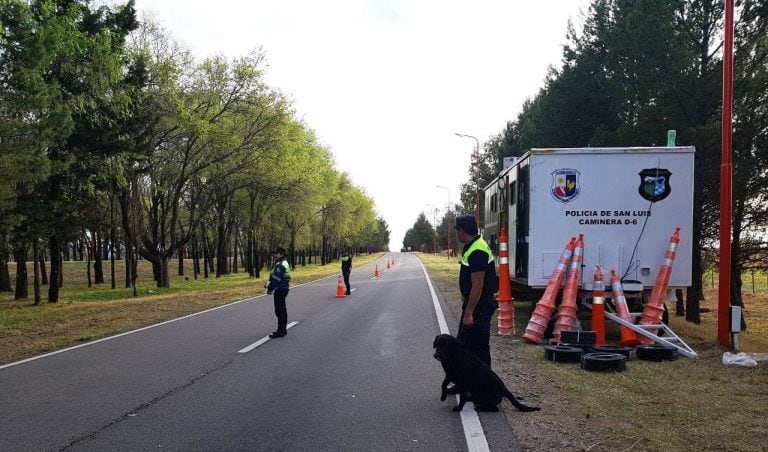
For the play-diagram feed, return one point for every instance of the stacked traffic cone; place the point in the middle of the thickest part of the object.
(504, 297)
(598, 306)
(566, 314)
(340, 288)
(628, 337)
(376, 272)
(654, 310)
(534, 332)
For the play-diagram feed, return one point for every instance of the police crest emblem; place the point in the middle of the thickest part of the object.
(565, 184)
(654, 184)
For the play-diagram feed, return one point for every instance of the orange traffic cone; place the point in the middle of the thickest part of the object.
(566, 314)
(598, 306)
(504, 297)
(534, 332)
(655, 308)
(340, 288)
(628, 337)
(376, 272)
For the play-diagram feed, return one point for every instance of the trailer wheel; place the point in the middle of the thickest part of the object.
(656, 352)
(562, 354)
(604, 362)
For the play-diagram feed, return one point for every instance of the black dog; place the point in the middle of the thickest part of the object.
(471, 376)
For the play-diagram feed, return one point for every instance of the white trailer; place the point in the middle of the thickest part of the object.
(626, 201)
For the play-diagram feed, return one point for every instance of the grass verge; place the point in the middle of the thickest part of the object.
(683, 405)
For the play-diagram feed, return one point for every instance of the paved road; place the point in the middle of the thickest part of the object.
(355, 374)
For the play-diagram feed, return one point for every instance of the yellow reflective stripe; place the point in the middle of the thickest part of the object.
(478, 244)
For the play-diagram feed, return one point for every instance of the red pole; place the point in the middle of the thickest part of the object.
(726, 168)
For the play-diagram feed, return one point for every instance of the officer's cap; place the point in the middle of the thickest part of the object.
(278, 250)
(466, 223)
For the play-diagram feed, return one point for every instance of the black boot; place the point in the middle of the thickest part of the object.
(278, 333)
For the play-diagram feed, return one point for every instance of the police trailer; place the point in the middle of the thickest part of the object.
(626, 201)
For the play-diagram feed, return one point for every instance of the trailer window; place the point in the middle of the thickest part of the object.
(493, 203)
(512, 196)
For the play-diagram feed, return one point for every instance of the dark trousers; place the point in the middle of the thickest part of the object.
(280, 311)
(477, 339)
(346, 280)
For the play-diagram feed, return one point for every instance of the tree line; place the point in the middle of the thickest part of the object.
(116, 143)
(638, 69)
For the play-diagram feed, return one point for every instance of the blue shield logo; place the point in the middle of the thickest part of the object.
(654, 184)
(565, 184)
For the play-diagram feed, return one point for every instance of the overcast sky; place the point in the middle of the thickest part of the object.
(385, 84)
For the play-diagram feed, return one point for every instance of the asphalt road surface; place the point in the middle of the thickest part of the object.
(354, 374)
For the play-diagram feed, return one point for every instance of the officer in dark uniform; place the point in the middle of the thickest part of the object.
(279, 283)
(346, 269)
(477, 283)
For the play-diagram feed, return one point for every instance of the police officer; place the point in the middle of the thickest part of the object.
(279, 282)
(477, 283)
(346, 269)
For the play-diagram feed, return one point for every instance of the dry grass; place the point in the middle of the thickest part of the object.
(684, 405)
(86, 313)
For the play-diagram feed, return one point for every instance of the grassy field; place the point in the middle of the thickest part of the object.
(85, 313)
(683, 405)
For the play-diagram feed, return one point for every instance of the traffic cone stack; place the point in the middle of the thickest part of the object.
(534, 332)
(376, 272)
(654, 309)
(566, 314)
(598, 306)
(504, 297)
(628, 337)
(340, 288)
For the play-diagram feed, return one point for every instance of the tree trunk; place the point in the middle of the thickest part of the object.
(181, 261)
(205, 256)
(112, 242)
(22, 292)
(98, 268)
(5, 275)
(36, 271)
(53, 288)
(88, 247)
(43, 271)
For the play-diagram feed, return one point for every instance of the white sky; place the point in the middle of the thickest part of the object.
(385, 84)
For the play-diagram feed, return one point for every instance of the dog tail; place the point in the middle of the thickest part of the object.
(519, 405)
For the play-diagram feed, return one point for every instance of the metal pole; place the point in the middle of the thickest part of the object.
(477, 176)
(726, 168)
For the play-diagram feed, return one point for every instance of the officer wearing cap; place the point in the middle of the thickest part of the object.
(477, 283)
(279, 282)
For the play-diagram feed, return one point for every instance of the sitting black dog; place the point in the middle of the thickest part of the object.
(471, 376)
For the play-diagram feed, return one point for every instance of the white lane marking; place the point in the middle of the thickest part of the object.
(473, 430)
(264, 339)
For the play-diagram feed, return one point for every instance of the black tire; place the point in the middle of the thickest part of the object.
(578, 337)
(586, 348)
(612, 349)
(600, 362)
(656, 352)
(562, 354)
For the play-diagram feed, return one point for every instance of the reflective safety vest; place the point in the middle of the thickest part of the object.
(286, 271)
(478, 244)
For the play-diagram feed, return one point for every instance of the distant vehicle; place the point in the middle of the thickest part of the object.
(626, 201)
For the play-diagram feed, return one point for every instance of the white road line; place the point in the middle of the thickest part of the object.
(264, 340)
(473, 430)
